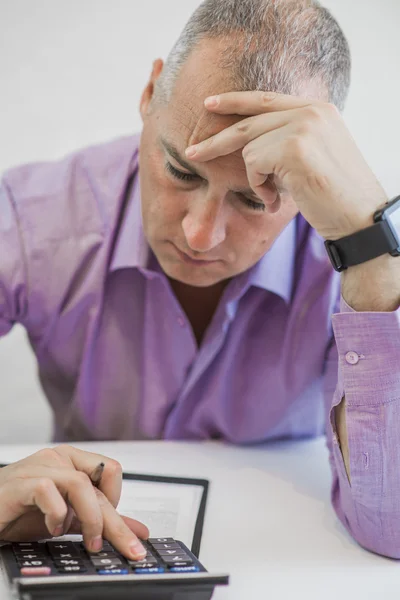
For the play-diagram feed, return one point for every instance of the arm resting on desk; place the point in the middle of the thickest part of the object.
(363, 432)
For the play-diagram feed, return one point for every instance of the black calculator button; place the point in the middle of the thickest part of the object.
(60, 546)
(72, 569)
(181, 558)
(100, 562)
(26, 546)
(153, 541)
(33, 563)
(171, 546)
(147, 560)
(56, 549)
(145, 565)
(103, 554)
(110, 567)
(29, 555)
(173, 552)
(107, 547)
(68, 562)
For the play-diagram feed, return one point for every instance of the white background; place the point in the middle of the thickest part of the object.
(71, 74)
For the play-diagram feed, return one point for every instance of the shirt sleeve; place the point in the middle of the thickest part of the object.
(13, 305)
(363, 366)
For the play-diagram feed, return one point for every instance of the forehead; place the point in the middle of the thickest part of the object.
(185, 115)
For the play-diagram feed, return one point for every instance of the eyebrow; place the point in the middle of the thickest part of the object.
(173, 151)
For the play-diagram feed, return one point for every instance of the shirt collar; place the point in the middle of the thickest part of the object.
(131, 249)
(273, 272)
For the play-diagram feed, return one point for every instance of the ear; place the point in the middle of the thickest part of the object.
(148, 91)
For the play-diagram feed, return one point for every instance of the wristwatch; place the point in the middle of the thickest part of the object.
(369, 243)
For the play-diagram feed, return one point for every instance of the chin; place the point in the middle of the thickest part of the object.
(191, 277)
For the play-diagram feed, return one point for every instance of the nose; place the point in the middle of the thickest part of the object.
(204, 225)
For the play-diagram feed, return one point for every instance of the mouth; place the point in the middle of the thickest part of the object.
(193, 261)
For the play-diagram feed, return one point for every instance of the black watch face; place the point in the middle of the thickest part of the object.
(392, 216)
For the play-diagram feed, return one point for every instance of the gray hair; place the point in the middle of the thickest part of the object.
(271, 45)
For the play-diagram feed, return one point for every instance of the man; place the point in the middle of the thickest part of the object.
(186, 293)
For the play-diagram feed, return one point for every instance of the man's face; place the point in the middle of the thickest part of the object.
(208, 227)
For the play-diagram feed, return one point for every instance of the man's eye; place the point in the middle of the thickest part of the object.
(189, 177)
(252, 204)
(179, 174)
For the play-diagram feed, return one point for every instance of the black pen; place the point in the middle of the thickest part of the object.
(96, 475)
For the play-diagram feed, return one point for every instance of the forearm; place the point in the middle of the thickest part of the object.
(373, 286)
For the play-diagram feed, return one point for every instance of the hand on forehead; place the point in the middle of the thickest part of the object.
(191, 123)
(199, 78)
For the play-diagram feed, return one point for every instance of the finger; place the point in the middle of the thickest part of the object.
(254, 103)
(111, 480)
(262, 158)
(80, 493)
(237, 136)
(118, 533)
(20, 495)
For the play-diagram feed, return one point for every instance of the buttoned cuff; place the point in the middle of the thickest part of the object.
(368, 345)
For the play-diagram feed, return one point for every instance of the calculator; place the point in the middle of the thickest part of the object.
(64, 570)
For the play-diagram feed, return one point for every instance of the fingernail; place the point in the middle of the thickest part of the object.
(191, 151)
(58, 531)
(137, 550)
(212, 101)
(96, 544)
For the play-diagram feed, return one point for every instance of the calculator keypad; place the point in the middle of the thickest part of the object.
(164, 555)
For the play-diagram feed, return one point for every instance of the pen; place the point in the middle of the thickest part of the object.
(96, 475)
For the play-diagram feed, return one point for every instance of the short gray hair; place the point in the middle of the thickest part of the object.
(272, 45)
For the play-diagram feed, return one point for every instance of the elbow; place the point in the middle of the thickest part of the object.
(377, 535)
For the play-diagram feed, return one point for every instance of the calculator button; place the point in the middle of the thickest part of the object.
(33, 563)
(188, 569)
(161, 541)
(18, 549)
(72, 569)
(29, 555)
(36, 571)
(173, 552)
(159, 547)
(100, 562)
(60, 546)
(149, 571)
(57, 549)
(27, 545)
(107, 546)
(147, 559)
(113, 572)
(103, 555)
(182, 558)
(145, 565)
(68, 562)
(65, 555)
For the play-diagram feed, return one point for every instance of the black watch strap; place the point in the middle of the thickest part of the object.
(361, 246)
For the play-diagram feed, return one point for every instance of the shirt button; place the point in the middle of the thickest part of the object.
(352, 358)
(181, 321)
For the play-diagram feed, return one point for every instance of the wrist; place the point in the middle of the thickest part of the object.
(373, 286)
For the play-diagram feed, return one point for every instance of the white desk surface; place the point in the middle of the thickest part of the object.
(269, 522)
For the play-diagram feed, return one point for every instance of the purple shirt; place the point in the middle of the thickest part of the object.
(118, 359)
